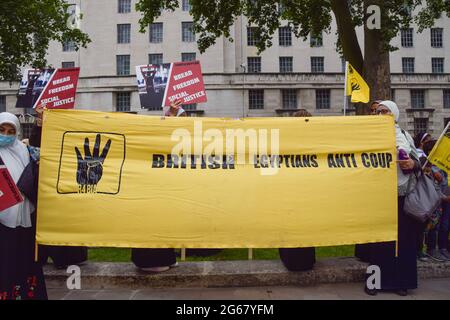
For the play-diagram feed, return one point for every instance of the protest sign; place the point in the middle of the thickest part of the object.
(54, 89)
(160, 85)
(9, 194)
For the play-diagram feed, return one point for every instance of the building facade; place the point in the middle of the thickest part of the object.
(292, 74)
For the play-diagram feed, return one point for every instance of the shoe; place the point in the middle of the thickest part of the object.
(445, 254)
(371, 292)
(402, 292)
(156, 269)
(423, 257)
(175, 265)
(436, 256)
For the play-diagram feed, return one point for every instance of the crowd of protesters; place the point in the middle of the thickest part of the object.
(21, 276)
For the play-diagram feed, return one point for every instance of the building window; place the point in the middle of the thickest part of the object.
(252, 39)
(408, 65)
(256, 99)
(317, 64)
(124, 6)
(407, 38)
(446, 121)
(188, 56)
(316, 41)
(254, 64)
(418, 99)
(123, 101)
(190, 107)
(68, 64)
(323, 99)
(420, 125)
(186, 5)
(437, 65)
(285, 36)
(289, 98)
(2, 103)
(123, 33)
(286, 64)
(123, 65)
(446, 93)
(187, 31)
(436, 37)
(69, 46)
(156, 32)
(155, 58)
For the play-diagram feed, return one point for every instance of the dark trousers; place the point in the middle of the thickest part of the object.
(150, 258)
(298, 259)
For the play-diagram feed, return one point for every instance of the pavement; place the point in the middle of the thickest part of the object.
(227, 274)
(429, 289)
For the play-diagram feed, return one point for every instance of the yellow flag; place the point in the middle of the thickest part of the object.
(357, 88)
(440, 156)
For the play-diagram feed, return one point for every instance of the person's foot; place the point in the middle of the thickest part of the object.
(371, 292)
(445, 254)
(156, 269)
(423, 257)
(436, 256)
(175, 265)
(402, 292)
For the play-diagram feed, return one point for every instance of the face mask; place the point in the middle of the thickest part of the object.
(6, 140)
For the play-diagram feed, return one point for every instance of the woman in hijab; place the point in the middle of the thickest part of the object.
(399, 273)
(20, 276)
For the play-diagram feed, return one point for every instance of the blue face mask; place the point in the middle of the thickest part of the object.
(6, 140)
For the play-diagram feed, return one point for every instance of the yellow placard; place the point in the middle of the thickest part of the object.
(440, 156)
(122, 180)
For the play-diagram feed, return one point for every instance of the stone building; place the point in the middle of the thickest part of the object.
(292, 74)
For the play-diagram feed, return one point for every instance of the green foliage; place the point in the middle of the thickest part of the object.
(214, 18)
(26, 29)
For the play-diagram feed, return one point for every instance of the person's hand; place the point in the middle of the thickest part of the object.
(40, 113)
(438, 177)
(175, 106)
(406, 164)
(90, 169)
(26, 142)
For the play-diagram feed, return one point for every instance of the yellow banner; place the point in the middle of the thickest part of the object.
(440, 156)
(122, 180)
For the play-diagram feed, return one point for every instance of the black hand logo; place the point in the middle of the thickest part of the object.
(355, 86)
(90, 169)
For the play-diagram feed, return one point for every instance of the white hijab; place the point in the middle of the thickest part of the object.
(16, 158)
(403, 140)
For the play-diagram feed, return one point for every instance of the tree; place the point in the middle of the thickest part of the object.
(26, 29)
(214, 18)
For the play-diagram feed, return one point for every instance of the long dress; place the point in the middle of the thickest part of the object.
(21, 278)
(398, 273)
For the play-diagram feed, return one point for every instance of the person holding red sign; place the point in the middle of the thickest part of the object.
(21, 278)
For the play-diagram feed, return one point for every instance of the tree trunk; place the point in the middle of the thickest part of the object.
(347, 34)
(376, 68)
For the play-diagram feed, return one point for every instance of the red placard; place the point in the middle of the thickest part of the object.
(185, 83)
(60, 90)
(9, 194)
